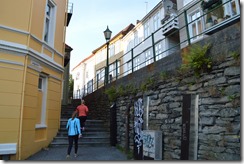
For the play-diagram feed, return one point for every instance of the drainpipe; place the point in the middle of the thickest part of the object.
(22, 108)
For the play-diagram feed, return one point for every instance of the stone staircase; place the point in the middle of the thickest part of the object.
(95, 134)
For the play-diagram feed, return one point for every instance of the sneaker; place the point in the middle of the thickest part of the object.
(68, 157)
(75, 155)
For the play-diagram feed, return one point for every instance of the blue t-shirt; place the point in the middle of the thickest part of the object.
(73, 127)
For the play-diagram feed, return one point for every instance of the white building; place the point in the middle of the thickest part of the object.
(146, 43)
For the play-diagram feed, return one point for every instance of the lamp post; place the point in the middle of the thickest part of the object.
(107, 35)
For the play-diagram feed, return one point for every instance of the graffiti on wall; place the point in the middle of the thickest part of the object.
(138, 123)
(148, 144)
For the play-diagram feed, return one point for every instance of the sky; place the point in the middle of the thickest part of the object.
(90, 18)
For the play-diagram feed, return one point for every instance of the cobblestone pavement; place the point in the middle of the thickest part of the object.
(84, 154)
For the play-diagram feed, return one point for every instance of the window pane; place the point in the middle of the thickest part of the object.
(48, 9)
(46, 30)
(40, 83)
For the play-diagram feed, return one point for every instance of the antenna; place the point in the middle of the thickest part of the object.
(146, 6)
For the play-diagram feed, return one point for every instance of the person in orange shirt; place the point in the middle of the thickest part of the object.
(82, 114)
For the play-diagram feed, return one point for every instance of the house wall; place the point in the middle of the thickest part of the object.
(24, 56)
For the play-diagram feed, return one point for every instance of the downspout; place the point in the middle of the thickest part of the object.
(23, 87)
(22, 108)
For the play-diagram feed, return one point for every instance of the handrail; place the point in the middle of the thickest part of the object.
(98, 83)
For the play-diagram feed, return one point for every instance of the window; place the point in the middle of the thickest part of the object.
(90, 86)
(41, 102)
(146, 30)
(158, 51)
(136, 39)
(117, 46)
(77, 75)
(230, 8)
(112, 50)
(49, 23)
(112, 69)
(148, 57)
(100, 75)
(129, 45)
(40, 83)
(156, 21)
(195, 25)
(129, 67)
(137, 63)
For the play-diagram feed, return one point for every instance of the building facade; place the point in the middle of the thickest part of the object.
(32, 54)
(89, 74)
(146, 43)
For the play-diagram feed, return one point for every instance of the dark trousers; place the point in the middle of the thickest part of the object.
(82, 121)
(73, 139)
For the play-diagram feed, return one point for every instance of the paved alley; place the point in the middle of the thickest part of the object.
(84, 154)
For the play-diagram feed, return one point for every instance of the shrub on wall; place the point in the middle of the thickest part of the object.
(197, 59)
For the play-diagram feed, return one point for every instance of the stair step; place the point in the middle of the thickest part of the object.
(96, 131)
(83, 139)
(80, 144)
(85, 134)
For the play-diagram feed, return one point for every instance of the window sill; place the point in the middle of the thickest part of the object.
(40, 126)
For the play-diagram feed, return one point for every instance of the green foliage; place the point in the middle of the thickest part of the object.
(197, 59)
(163, 75)
(149, 82)
(112, 93)
(235, 55)
(71, 86)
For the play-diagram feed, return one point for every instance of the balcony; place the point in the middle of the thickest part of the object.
(169, 24)
(221, 16)
(69, 13)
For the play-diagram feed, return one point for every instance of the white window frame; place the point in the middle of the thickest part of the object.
(137, 63)
(112, 50)
(49, 28)
(101, 75)
(42, 87)
(194, 21)
(129, 67)
(136, 39)
(228, 10)
(148, 57)
(146, 29)
(156, 21)
(158, 51)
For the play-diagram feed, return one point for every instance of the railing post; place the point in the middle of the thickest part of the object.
(116, 67)
(132, 58)
(97, 80)
(153, 46)
(187, 29)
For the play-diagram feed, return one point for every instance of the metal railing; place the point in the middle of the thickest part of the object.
(182, 29)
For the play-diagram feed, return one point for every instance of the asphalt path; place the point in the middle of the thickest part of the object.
(84, 154)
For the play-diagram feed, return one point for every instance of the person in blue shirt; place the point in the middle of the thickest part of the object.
(74, 133)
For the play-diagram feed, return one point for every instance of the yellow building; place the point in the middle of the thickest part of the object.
(32, 50)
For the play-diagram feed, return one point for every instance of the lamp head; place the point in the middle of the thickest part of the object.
(107, 34)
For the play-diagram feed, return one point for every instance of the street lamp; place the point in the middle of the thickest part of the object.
(107, 35)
